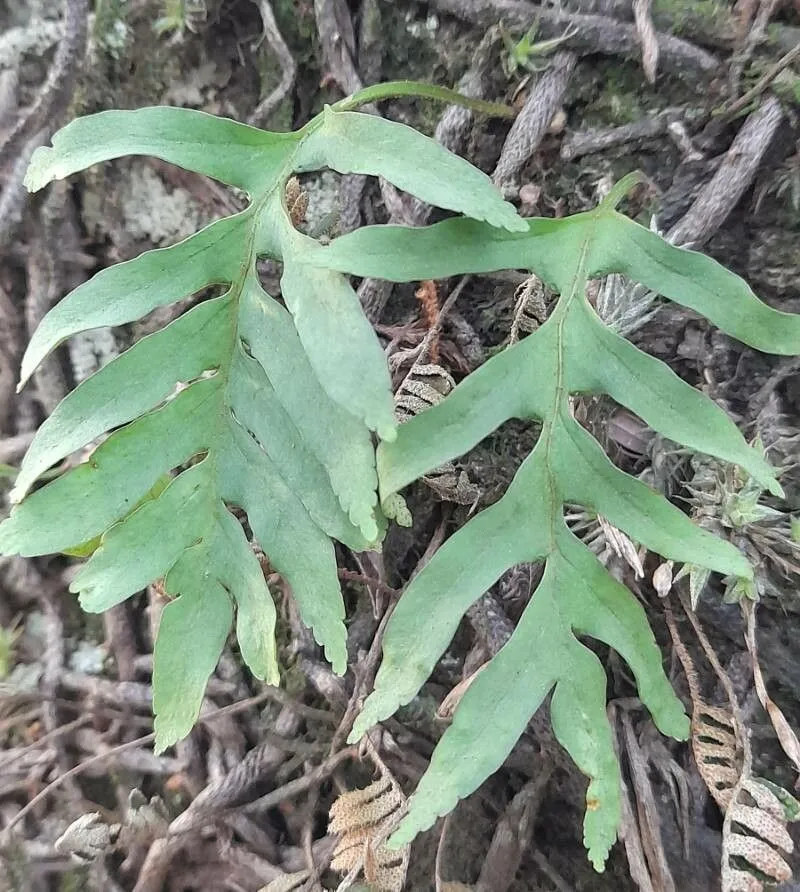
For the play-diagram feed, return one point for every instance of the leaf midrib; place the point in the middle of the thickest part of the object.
(559, 407)
(254, 212)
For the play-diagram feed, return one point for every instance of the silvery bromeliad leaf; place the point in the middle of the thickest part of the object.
(245, 401)
(572, 353)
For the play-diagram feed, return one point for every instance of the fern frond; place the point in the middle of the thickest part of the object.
(247, 402)
(363, 820)
(573, 352)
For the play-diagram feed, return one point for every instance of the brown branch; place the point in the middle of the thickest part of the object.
(592, 33)
(301, 784)
(285, 60)
(733, 177)
(94, 760)
(601, 139)
(335, 29)
(733, 109)
(532, 122)
(54, 97)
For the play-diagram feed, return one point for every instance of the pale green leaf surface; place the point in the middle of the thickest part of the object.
(107, 486)
(580, 724)
(110, 576)
(575, 596)
(510, 532)
(587, 477)
(194, 527)
(339, 441)
(191, 634)
(282, 426)
(599, 360)
(131, 290)
(232, 153)
(497, 391)
(256, 408)
(129, 385)
(502, 697)
(552, 249)
(255, 611)
(349, 142)
(338, 339)
(591, 602)
(454, 247)
(697, 282)
(297, 548)
(572, 353)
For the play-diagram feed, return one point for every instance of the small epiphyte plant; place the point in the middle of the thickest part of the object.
(246, 403)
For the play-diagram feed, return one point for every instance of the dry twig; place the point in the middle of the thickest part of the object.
(54, 96)
(531, 125)
(590, 33)
(737, 171)
(286, 61)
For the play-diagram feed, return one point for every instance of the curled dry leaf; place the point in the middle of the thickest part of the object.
(715, 732)
(424, 386)
(296, 201)
(786, 735)
(451, 701)
(717, 750)
(530, 310)
(622, 546)
(662, 579)
(753, 836)
(364, 819)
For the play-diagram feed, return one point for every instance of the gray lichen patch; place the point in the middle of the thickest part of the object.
(154, 212)
(90, 351)
(140, 208)
(322, 214)
(33, 39)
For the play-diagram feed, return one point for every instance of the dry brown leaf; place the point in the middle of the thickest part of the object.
(296, 201)
(363, 819)
(423, 387)
(786, 736)
(530, 310)
(717, 750)
(754, 833)
(662, 579)
(451, 701)
(622, 546)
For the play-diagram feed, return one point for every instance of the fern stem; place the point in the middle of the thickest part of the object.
(394, 89)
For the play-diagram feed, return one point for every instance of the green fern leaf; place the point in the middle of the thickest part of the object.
(254, 405)
(572, 353)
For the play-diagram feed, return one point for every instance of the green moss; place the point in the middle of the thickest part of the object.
(74, 880)
(620, 95)
(689, 18)
(410, 46)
